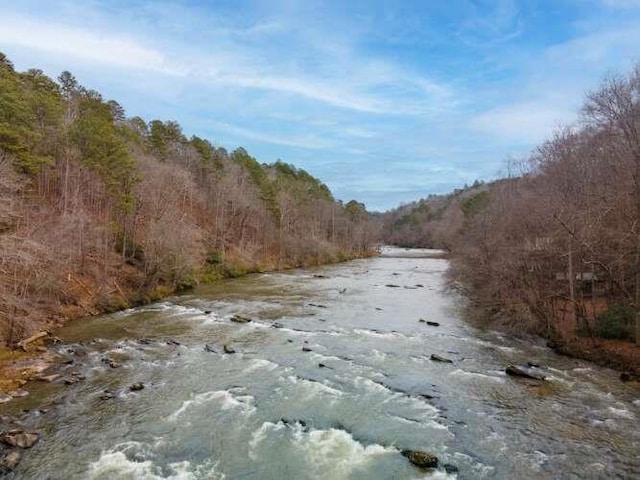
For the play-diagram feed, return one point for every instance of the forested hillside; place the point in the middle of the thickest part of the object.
(431, 222)
(99, 211)
(556, 248)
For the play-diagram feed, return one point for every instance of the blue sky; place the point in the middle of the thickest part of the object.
(385, 101)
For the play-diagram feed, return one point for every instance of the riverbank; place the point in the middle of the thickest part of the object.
(35, 362)
(619, 355)
(615, 354)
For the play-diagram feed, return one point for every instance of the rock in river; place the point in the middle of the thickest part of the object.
(228, 349)
(437, 358)
(240, 319)
(629, 377)
(107, 395)
(421, 459)
(136, 387)
(524, 372)
(18, 438)
(9, 461)
(429, 322)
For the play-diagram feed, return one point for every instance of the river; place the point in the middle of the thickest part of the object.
(331, 380)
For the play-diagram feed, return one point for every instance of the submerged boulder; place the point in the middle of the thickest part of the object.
(240, 319)
(19, 438)
(450, 469)
(524, 372)
(421, 459)
(9, 461)
(629, 377)
(107, 395)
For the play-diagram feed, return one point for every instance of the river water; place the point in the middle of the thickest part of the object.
(364, 390)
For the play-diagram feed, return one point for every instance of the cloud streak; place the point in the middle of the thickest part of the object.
(117, 50)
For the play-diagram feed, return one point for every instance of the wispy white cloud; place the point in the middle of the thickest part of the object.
(231, 61)
(554, 83)
(103, 48)
(302, 141)
(524, 122)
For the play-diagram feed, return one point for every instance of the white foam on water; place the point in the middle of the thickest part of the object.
(326, 357)
(431, 424)
(498, 441)
(407, 421)
(260, 363)
(482, 470)
(372, 387)
(225, 397)
(315, 388)
(476, 376)
(608, 423)
(257, 325)
(582, 370)
(563, 381)
(637, 402)
(297, 332)
(173, 308)
(378, 355)
(439, 475)
(258, 436)
(334, 454)
(373, 333)
(622, 413)
(597, 467)
(114, 464)
(336, 332)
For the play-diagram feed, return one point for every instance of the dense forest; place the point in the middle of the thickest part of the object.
(430, 222)
(555, 248)
(99, 211)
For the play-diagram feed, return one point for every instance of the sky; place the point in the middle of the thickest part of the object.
(384, 101)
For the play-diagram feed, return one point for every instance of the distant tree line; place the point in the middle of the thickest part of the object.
(99, 210)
